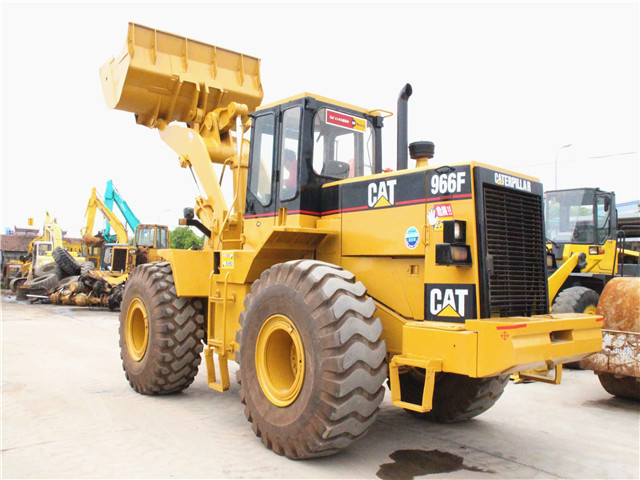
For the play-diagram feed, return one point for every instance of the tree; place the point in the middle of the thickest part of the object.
(184, 238)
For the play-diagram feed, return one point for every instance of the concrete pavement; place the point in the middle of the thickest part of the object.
(67, 411)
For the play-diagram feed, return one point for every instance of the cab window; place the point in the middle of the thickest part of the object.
(43, 248)
(262, 158)
(603, 218)
(162, 238)
(289, 153)
(342, 144)
(145, 237)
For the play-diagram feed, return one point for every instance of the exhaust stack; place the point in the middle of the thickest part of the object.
(403, 141)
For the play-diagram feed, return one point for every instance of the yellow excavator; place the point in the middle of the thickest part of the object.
(93, 244)
(324, 276)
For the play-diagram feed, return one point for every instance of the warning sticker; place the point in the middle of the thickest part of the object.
(439, 212)
(346, 121)
(226, 260)
(411, 237)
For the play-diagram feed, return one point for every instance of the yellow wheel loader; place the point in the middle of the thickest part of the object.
(587, 248)
(325, 276)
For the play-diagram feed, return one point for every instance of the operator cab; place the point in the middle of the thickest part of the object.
(580, 216)
(42, 253)
(303, 143)
(152, 236)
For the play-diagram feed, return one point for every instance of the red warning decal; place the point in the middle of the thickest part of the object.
(346, 121)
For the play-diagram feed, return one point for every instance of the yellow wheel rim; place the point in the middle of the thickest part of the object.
(137, 329)
(590, 310)
(280, 360)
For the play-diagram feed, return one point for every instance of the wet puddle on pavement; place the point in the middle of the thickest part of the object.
(408, 464)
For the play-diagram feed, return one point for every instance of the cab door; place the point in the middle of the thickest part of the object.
(261, 204)
(288, 171)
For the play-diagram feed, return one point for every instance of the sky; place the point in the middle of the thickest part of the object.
(510, 84)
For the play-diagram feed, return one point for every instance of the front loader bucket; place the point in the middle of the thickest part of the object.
(162, 77)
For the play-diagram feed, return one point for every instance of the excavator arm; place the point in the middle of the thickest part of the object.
(112, 195)
(93, 205)
(51, 231)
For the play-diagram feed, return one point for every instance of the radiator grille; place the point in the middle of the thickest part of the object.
(515, 246)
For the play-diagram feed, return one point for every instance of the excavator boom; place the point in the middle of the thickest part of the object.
(112, 195)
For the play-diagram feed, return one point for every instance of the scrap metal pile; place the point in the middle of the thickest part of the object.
(69, 282)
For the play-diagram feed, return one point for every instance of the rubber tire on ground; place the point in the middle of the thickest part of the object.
(65, 260)
(16, 282)
(176, 330)
(44, 269)
(345, 359)
(59, 272)
(575, 300)
(456, 398)
(620, 386)
(86, 267)
(46, 282)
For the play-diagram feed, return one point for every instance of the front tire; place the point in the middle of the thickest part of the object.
(160, 333)
(576, 300)
(312, 363)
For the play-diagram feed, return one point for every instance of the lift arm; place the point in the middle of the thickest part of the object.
(162, 78)
(558, 278)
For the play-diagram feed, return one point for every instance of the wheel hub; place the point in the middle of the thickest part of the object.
(137, 329)
(280, 363)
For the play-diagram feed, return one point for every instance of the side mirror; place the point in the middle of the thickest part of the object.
(607, 203)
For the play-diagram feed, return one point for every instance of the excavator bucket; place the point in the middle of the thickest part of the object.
(162, 77)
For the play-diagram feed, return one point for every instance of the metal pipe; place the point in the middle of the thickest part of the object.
(403, 141)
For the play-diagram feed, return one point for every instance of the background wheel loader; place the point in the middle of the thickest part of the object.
(325, 276)
(587, 246)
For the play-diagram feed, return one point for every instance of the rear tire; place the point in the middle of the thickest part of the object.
(338, 360)
(456, 398)
(620, 386)
(67, 263)
(160, 333)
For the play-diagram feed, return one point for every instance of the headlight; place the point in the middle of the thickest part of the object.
(454, 251)
(454, 231)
